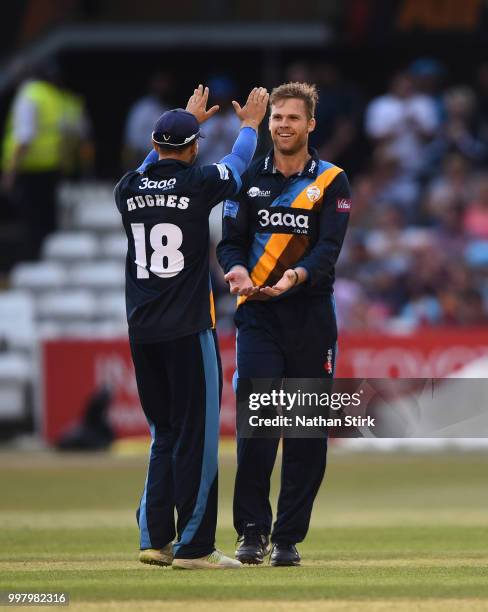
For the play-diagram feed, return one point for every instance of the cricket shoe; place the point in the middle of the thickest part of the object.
(157, 556)
(253, 546)
(215, 560)
(284, 555)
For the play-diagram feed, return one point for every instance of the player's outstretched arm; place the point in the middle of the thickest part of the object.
(251, 115)
(197, 104)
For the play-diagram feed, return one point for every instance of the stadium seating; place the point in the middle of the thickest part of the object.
(70, 246)
(63, 306)
(17, 344)
(113, 246)
(96, 216)
(17, 311)
(39, 276)
(97, 275)
(16, 373)
(74, 291)
(111, 305)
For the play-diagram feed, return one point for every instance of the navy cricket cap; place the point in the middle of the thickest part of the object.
(176, 128)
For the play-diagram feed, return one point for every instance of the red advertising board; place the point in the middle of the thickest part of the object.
(429, 353)
(73, 369)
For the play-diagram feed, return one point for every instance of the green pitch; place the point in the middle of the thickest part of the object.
(389, 532)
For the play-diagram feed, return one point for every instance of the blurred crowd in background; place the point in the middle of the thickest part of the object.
(416, 253)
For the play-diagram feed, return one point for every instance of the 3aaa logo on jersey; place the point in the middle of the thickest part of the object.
(298, 224)
(163, 184)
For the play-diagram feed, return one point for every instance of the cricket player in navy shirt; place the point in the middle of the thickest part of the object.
(281, 240)
(165, 206)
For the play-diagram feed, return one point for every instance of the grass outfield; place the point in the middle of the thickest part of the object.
(389, 532)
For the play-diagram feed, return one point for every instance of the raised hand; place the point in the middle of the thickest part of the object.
(197, 105)
(252, 113)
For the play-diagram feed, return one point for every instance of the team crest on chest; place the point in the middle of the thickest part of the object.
(313, 193)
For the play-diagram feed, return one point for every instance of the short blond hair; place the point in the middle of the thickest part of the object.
(303, 91)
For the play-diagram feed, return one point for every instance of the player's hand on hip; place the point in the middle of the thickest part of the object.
(240, 282)
(197, 105)
(289, 279)
(252, 113)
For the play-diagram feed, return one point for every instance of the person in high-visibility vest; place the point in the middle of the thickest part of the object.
(78, 151)
(32, 153)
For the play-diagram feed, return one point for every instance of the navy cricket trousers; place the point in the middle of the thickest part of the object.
(295, 337)
(179, 384)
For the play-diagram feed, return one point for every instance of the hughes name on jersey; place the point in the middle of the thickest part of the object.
(165, 213)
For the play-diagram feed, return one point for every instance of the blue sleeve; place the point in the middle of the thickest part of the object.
(150, 159)
(242, 151)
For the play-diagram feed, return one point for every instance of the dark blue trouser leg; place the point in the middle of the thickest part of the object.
(156, 518)
(302, 471)
(155, 515)
(258, 356)
(255, 461)
(309, 357)
(291, 338)
(179, 387)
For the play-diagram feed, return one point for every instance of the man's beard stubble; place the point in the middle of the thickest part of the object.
(301, 144)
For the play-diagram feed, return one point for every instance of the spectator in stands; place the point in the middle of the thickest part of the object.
(378, 277)
(476, 217)
(386, 183)
(482, 95)
(402, 120)
(471, 309)
(428, 76)
(454, 184)
(461, 131)
(352, 305)
(425, 275)
(32, 155)
(355, 258)
(78, 147)
(390, 239)
(364, 213)
(222, 129)
(449, 233)
(141, 118)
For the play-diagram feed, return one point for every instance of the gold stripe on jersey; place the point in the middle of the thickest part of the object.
(212, 309)
(270, 260)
